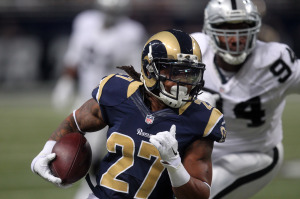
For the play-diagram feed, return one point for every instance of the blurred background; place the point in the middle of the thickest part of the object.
(34, 36)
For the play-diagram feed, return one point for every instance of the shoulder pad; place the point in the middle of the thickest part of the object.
(87, 19)
(267, 53)
(209, 119)
(114, 89)
(134, 30)
(203, 41)
(215, 128)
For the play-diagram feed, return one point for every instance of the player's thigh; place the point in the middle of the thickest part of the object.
(243, 175)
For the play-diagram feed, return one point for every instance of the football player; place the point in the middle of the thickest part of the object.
(92, 54)
(160, 138)
(92, 48)
(248, 80)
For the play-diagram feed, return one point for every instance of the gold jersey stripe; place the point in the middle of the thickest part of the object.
(101, 85)
(184, 107)
(215, 116)
(133, 86)
(125, 78)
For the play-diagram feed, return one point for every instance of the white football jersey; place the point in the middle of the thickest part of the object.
(252, 100)
(96, 50)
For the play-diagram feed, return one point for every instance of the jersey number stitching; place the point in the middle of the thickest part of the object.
(251, 109)
(279, 69)
(146, 151)
(284, 72)
(284, 67)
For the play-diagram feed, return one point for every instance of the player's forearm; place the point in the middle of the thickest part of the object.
(67, 126)
(87, 118)
(194, 188)
(186, 186)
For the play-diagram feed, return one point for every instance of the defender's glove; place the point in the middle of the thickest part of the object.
(167, 145)
(40, 164)
(211, 98)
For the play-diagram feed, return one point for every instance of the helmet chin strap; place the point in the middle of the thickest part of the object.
(232, 59)
(168, 100)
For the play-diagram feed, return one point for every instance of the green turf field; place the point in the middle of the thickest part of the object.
(27, 119)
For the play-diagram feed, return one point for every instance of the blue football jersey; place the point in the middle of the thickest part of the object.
(132, 167)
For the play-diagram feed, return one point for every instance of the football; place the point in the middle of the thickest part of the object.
(73, 158)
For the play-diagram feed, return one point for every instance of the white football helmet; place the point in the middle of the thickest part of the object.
(232, 11)
(113, 10)
(179, 54)
(116, 7)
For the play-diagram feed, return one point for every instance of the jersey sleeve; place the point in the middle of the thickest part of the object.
(114, 89)
(279, 61)
(288, 70)
(206, 119)
(215, 128)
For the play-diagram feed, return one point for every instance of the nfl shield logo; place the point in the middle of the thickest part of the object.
(149, 119)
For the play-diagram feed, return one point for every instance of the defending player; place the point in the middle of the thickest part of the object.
(92, 49)
(251, 80)
(160, 138)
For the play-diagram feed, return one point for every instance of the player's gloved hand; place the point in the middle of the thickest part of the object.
(40, 164)
(211, 98)
(167, 145)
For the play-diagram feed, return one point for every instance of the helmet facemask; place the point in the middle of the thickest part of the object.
(185, 70)
(219, 13)
(239, 54)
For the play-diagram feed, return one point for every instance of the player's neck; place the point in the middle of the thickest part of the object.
(156, 104)
(225, 66)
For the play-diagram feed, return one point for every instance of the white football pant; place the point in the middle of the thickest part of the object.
(242, 175)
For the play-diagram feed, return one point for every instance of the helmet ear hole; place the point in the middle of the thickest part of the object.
(148, 69)
(145, 68)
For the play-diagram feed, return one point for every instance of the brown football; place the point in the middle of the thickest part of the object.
(73, 158)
